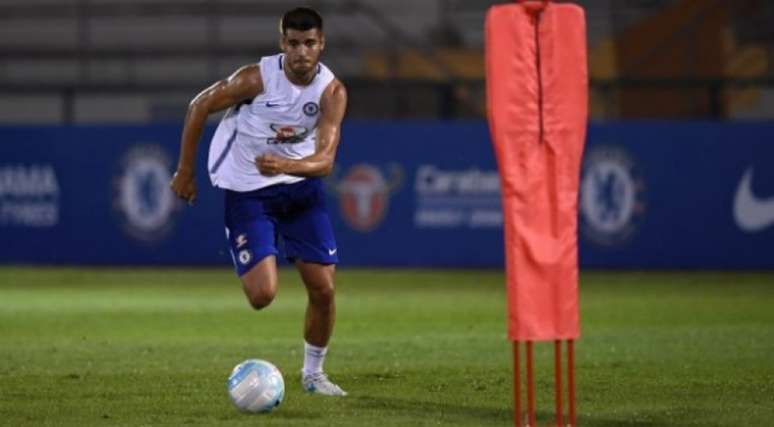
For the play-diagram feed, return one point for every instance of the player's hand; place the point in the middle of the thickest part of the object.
(183, 184)
(270, 165)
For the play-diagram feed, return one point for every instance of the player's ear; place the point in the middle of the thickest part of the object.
(322, 42)
(282, 42)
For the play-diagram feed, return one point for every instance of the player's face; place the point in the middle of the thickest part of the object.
(302, 49)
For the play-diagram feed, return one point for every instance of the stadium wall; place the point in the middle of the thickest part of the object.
(418, 194)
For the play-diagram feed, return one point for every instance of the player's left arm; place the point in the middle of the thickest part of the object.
(333, 106)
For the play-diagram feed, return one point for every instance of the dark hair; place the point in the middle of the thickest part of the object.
(301, 19)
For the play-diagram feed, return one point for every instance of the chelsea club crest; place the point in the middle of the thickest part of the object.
(611, 196)
(311, 109)
(141, 193)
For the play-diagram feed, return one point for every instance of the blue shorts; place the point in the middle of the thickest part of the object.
(296, 212)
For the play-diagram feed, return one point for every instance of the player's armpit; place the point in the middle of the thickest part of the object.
(245, 83)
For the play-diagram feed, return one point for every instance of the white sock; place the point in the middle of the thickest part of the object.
(313, 358)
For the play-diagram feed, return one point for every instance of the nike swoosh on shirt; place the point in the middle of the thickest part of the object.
(270, 105)
(332, 251)
(752, 214)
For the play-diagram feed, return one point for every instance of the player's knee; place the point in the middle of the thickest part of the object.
(260, 292)
(322, 295)
(260, 298)
(260, 285)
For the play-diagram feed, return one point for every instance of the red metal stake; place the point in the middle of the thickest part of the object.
(571, 379)
(518, 416)
(558, 380)
(517, 419)
(530, 387)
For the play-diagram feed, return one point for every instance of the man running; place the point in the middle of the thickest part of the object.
(269, 152)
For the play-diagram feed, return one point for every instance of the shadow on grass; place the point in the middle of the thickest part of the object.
(492, 416)
(424, 409)
(653, 419)
(607, 422)
(294, 414)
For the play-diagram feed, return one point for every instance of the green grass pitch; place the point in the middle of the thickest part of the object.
(130, 347)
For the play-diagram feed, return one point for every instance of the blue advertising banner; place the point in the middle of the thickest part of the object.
(99, 195)
(653, 195)
(418, 194)
(678, 195)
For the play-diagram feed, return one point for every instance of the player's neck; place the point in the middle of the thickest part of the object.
(302, 79)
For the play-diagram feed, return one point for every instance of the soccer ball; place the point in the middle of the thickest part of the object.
(256, 386)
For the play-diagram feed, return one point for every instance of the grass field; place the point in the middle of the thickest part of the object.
(131, 347)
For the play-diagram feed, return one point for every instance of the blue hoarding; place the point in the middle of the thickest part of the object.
(653, 195)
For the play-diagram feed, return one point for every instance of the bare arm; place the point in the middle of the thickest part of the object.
(333, 106)
(244, 84)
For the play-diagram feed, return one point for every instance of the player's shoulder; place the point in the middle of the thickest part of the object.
(334, 99)
(336, 88)
(336, 85)
(271, 62)
(270, 67)
(249, 70)
(335, 92)
(247, 75)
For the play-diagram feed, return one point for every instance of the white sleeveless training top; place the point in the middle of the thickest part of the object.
(282, 121)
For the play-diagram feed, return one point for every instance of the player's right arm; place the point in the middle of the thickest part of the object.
(244, 84)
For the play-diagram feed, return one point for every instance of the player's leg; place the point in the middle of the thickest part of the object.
(318, 326)
(252, 238)
(260, 282)
(321, 307)
(310, 244)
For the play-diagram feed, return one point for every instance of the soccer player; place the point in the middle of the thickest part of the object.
(269, 152)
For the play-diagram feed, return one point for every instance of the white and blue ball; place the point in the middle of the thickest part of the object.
(256, 386)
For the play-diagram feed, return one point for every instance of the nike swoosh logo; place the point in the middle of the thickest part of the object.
(270, 105)
(751, 213)
(332, 251)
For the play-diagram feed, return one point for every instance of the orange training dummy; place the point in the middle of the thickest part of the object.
(537, 95)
